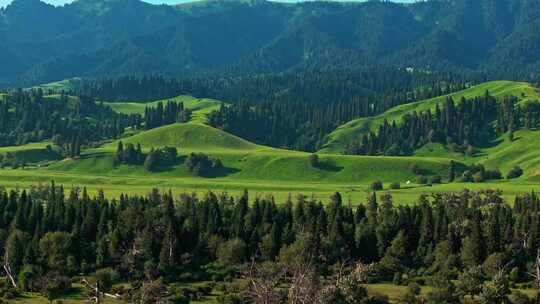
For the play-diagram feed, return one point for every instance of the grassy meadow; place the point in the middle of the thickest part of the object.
(282, 173)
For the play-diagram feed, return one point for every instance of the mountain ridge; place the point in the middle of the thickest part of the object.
(93, 38)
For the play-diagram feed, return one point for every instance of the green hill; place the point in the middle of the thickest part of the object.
(32, 153)
(262, 168)
(62, 85)
(246, 161)
(200, 106)
(338, 139)
(190, 136)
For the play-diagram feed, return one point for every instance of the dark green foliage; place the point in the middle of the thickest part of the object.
(28, 116)
(496, 291)
(415, 169)
(200, 164)
(465, 123)
(470, 281)
(153, 241)
(232, 252)
(395, 185)
(422, 180)
(292, 110)
(158, 158)
(161, 115)
(314, 160)
(129, 155)
(515, 172)
(376, 185)
(436, 179)
(452, 171)
(494, 38)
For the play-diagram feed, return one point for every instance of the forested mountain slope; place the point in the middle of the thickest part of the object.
(338, 139)
(496, 124)
(116, 37)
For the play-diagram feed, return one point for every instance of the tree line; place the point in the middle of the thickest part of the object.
(301, 123)
(198, 164)
(305, 106)
(165, 114)
(460, 126)
(29, 116)
(467, 246)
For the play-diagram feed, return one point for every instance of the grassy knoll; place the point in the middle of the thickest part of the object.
(193, 136)
(32, 153)
(200, 106)
(30, 146)
(65, 85)
(503, 154)
(338, 139)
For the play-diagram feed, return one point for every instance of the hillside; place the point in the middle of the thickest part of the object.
(338, 139)
(280, 171)
(189, 136)
(90, 38)
(200, 106)
(244, 160)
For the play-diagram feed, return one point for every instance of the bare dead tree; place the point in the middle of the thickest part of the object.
(95, 294)
(264, 283)
(362, 271)
(537, 269)
(348, 281)
(305, 287)
(152, 292)
(7, 269)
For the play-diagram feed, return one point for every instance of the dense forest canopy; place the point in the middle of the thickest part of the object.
(302, 106)
(97, 38)
(461, 127)
(30, 116)
(463, 244)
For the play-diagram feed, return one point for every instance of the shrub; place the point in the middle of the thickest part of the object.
(414, 288)
(376, 185)
(106, 278)
(314, 160)
(415, 169)
(232, 252)
(395, 185)
(422, 180)
(478, 177)
(436, 179)
(200, 164)
(467, 177)
(515, 172)
(493, 174)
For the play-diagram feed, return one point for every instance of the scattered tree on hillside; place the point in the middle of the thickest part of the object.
(160, 157)
(201, 164)
(515, 172)
(169, 113)
(129, 155)
(314, 160)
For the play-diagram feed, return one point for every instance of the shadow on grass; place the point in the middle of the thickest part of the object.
(87, 155)
(222, 172)
(169, 166)
(329, 166)
(180, 160)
